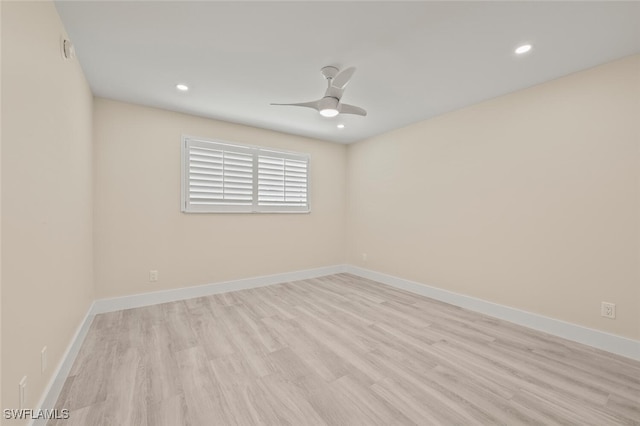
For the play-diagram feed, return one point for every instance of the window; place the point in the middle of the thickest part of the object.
(223, 177)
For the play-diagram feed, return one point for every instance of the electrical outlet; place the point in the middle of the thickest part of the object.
(22, 395)
(43, 360)
(608, 310)
(364, 257)
(153, 275)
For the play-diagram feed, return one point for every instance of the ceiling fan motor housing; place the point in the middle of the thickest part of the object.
(328, 106)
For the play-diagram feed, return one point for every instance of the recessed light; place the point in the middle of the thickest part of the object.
(340, 126)
(523, 49)
(182, 87)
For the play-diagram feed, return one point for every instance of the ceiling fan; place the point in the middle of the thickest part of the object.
(330, 105)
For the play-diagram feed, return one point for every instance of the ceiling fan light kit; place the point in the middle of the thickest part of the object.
(330, 105)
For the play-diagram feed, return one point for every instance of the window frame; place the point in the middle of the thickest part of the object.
(255, 151)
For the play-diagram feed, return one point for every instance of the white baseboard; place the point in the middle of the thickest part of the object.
(164, 296)
(598, 339)
(54, 387)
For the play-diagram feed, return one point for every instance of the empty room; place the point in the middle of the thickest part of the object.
(319, 213)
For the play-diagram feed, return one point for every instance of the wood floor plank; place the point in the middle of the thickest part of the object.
(163, 381)
(627, 408)
(205, 400)
(417, 411)
(168, 412)
(287, 400)
(337, 350)
(126, 392)
(372, 409)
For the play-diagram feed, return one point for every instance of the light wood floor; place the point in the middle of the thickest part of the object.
(337, 350)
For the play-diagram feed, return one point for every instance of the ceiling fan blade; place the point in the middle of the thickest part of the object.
(313, 104)
(342, 79)
(350, 109)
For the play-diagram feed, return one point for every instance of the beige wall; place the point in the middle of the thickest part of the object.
(46, 197)
(529, 200)
(139, 225)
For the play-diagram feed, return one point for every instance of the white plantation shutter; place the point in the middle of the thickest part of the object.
(282, 181)
(223, 177)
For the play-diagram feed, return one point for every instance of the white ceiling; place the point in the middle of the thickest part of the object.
(415, 60)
